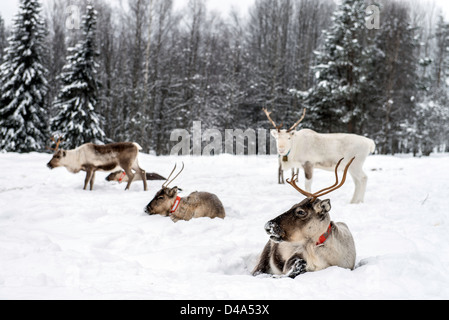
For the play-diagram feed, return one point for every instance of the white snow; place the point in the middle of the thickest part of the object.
(60, 242)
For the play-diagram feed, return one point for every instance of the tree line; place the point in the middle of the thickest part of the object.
(139, 72)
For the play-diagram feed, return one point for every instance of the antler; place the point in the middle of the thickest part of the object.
(57, 143)
(278, 128)
(268, 114)
(325, 191)
(297, 123)
(167, 183)
(294, 185)
(336, 178)
(336, 187)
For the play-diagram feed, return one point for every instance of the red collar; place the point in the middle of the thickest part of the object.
(324, 237)
(176, 205)
(122, 177)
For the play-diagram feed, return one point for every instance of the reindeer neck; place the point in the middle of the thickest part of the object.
(326, 236)
(175, 205)
(73, 160)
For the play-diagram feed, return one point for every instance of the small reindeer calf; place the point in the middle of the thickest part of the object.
(197, 205)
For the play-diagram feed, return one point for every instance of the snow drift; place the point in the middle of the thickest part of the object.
(60, 242)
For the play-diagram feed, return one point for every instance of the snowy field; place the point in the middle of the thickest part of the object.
(60, 242)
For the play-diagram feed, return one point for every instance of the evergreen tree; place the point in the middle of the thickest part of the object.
(77, 120)
(336, 101)
(441, 52)
(396, 81)
(23, 114)
(2, 38)
(432, 112)
(2, 46)
(430, 124)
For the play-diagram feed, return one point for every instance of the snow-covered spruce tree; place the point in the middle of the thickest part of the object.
(394, 114)
(336, 100)
(77, 120)
(23, 114)
(2, 38)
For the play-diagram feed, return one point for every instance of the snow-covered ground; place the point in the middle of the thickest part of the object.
(60, 242)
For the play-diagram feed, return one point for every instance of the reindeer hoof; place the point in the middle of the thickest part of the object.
(298, 268)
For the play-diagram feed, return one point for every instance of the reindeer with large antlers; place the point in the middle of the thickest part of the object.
(168, 203)
(309, 150)
(304, 239)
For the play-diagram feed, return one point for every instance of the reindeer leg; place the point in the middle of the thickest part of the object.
(360, 180)
(296, 266)
(143, 174)
(281, 175)
(140, 172)
(295, 173)
(89, 173)
(263, 266)
(92, 180)
(308, 172)
(130, 175)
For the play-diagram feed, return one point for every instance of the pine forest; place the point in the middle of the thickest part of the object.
(97, 71)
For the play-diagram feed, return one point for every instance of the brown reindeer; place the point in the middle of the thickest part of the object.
(120, 176)
(197, 205)
(304, 239)
(91, 158)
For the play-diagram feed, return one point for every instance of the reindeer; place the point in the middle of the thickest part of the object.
(167, 203)
(309, 150)
(91, 158)
(304, 239)
(284, 162)
(120, 176)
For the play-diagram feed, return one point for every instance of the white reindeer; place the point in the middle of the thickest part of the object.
(309, 150)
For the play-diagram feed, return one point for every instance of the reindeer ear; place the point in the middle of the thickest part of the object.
(173, 192)
(322, 206)
(325, 206)
(275, 133)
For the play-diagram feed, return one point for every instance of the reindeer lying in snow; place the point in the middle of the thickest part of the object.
(120, 176)
(197, 205)
(304, 239)
(91, 158)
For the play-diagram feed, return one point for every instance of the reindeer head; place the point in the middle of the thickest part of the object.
(163, 202)
(283, 137)
(165, 198)
(308, 220)
(58, 156)
(304, 221)
(118, 176)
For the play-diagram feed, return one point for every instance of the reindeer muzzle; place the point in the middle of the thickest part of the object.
(50, 166)
(148, 210)
(274, 231)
